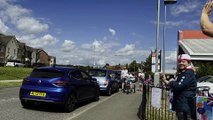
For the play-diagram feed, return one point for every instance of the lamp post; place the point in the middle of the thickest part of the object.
(157, 36)
(164, 33)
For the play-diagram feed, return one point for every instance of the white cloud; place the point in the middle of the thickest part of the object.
(30, 25)
(188, 6)
(112, 31)
(46, 40)
(127, 50)
(21, 18)
(171, 57)
(68, 46)
(3, 28)
(99, 52)
(97, 46)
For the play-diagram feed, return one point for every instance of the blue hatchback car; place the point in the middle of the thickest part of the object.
(62, 85)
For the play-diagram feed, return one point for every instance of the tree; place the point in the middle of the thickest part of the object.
(203, 68)
(132, 66)
(148, 65)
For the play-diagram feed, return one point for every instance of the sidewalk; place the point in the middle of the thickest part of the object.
(1, 81)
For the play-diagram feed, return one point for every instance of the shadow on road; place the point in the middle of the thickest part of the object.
(55, 108)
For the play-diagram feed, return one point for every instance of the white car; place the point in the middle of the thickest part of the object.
(15, 64)
(206, 81)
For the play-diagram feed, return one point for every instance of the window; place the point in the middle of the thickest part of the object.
(14, 51)
(85, 76)
(39, 73)
(76, 75)
(99, 73)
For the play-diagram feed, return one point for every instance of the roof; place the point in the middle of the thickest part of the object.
(5, 39)
(196, 44)
(192, 34)
(57, 68)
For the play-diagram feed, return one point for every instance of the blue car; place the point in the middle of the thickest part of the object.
(106, 79)
(61, 85)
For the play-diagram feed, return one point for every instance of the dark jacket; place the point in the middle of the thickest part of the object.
(184, 92)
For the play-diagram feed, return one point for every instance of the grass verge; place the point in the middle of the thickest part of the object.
(14, 73)
(9, 84)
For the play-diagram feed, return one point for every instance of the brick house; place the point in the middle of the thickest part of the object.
(39, 56)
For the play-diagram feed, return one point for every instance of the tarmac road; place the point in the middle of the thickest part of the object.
(119, 106)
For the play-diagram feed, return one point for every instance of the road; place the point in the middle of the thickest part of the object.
(119, 106)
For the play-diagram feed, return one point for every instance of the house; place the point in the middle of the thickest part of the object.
(9, 48)
(12, 49)
(28, 55)
(52, 60)
(196, 44)
(39, 56)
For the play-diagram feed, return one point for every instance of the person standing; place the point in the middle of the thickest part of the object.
(184, 89)
(124, 75)
(205, 23)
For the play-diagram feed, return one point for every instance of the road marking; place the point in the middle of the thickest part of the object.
(83, 111)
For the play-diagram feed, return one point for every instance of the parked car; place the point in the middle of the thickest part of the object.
(206, 81)
(118, 77)
(61, 85)
(14, 63)
(106, 80)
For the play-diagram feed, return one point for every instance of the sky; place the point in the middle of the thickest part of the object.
(96, 32)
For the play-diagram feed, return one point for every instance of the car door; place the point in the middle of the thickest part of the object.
(80, 84)
(114, 83)
(89, 85)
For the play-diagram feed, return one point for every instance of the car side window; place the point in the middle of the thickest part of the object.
(85, 76)
(76, 75)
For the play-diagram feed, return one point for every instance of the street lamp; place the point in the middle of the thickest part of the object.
(164, 33)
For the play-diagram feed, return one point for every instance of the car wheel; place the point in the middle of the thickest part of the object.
(109, 93)
(69, 106)
(96, 95)
(26, 103)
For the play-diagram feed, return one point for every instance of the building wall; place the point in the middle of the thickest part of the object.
(44, 58)
(2, 55)
(11, 50)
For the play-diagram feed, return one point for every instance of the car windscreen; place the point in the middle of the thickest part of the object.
(46, 73)
(97, 73)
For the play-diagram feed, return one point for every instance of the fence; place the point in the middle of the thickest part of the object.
(148, 112)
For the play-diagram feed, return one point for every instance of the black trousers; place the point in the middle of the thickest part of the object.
(183, 116)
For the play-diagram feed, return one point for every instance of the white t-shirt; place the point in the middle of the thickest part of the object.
(124, 73)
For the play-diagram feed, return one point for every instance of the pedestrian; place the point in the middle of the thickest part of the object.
(124, 75)
(141, 77)
(184, 89)
(148, 80)
(205, 22)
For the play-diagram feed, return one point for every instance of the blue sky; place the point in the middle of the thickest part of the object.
(88, 32)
